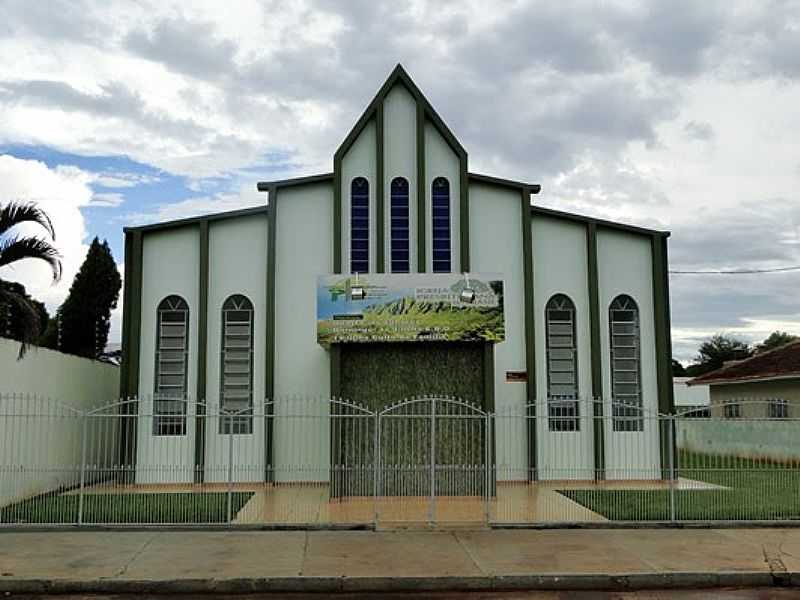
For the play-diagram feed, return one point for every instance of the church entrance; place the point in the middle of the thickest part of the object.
(432, 433)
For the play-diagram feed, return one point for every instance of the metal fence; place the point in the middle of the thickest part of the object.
(330, 462)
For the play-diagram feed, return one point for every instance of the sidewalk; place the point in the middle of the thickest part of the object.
(238, 561)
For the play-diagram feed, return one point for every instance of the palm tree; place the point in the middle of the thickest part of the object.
(15, 247)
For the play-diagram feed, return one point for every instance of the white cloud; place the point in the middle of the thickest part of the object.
(107, 199)
(61, 193)
(122, 179)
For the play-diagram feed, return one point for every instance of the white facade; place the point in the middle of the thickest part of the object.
(501, 234)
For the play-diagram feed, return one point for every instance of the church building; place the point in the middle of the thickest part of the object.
(400, 274)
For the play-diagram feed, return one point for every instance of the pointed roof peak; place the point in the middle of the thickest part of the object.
(399, 75)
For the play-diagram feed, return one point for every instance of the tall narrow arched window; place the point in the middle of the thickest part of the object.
(359, 225)
(562, 364)
(626, 389)
(440, 203)
(236, 378)
(172, 359)
(401, 258)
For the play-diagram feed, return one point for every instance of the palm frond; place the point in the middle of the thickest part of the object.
(15, 213)
(16, 248)
(29, 318)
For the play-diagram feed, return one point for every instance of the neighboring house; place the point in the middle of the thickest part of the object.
(766, 385)
(256, 304)
(691, 401)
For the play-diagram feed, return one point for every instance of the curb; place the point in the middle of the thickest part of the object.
(495, 583)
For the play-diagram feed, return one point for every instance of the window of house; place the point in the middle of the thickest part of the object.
(401, 257)
(562, 364)
(172, 351)
(778, 408)
(440, 201)
(732, 410)
(359, 225)
(626, 389)
(236, 381)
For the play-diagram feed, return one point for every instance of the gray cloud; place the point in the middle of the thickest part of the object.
(699, 130)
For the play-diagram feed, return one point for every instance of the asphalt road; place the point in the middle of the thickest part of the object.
(703, 594)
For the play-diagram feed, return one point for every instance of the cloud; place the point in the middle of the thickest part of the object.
(61, 192)
(121, 179)
(107, 199)
(698, 130)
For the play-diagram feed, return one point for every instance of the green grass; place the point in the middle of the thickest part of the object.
(756, 490)
(206, 507)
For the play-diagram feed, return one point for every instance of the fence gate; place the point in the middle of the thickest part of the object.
(433, 457)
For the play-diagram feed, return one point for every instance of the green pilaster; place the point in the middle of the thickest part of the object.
(463, 186)
(337, 214)
(530, 328)
(131, 347)
(269, 333)
(422, 186)
(380, 200)
(666, 403)
(202, 354)
(596, 362)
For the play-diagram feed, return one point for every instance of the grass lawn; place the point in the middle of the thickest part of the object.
(756, 490)
(205, 507)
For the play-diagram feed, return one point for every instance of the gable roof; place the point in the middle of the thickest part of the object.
(779, 363)
(399, 75)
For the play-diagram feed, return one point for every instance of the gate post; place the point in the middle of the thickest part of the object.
(230, 468)
(672, 480)
(488, 465)
(432, 507)
(84, 421)
(376, 460)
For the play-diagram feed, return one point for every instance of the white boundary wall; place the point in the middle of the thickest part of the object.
(40, 390)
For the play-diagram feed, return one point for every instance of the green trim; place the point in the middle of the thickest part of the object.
(269, 333)
(202, 355)
(526, 220)
(534, 188)
(600, 223)
(243, 212)
(133, 347)
(126, 318)
(264, 186)
(596, 356)
(463, 216)
(125, 437)
(488, 377)
(380, 200)
(336, 457)
(337, 214)
(136, 314)
(666, 403)
(422, 186)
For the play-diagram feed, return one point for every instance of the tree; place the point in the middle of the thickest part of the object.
(15, 247)
(775, 339)
(716, 351)
(677, 369)
(86, 313)
(11, 319)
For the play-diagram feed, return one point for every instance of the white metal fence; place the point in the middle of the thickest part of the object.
(322, 462)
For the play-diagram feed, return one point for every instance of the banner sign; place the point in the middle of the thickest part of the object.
(418, 307)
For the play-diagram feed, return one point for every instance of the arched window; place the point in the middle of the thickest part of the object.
(359, 225)
(401, 260)
(562, 364)
(440, 202)
(236, 378)
(626, 389)
(172, 354)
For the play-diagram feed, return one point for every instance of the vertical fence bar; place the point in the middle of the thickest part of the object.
(487, 437)
(377, 460)
(230, 468)
(432, 507)
(672, 479)
(84, 420)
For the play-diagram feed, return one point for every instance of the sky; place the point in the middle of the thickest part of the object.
(676, 115)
